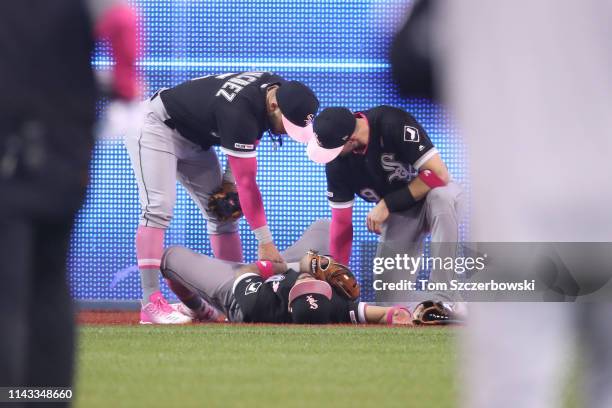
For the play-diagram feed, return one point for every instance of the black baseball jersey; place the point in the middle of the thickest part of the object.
(267, 301)
(398, 146)
(227, 110)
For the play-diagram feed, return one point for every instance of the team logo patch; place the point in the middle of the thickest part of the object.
(312, 302)
(252, 287)
(244, 146)
(275, 278)
(396, 169)
(411, 134)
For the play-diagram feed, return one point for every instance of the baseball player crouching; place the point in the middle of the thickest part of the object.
(384, 156)
(179, 127)
(312, 289)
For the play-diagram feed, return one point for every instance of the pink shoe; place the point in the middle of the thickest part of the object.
(158, 311)
(207, 313)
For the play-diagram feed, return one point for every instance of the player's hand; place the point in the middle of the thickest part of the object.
(377, 217)
(269, 252)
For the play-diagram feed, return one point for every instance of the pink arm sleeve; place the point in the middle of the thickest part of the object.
(118, 24)
(341, 234)
(244, 170)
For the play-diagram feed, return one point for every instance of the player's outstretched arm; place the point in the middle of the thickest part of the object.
(387, 315)
(263, 268)
(244, 170)
(341, 234)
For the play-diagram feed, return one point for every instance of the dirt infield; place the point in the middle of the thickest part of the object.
(93, 317)
(132, 318)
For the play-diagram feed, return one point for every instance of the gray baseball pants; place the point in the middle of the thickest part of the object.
(439, 213)
(214, 279)
(160, 156)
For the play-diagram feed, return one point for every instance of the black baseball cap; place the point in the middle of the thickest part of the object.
(298, 105)
(310, 302)
(332, 129)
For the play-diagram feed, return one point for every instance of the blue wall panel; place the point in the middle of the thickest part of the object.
(337, 47)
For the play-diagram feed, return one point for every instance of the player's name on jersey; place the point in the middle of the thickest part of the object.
(234, 85)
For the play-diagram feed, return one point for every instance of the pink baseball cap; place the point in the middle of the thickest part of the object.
(298, 105)
(309, 287)
(332, 129)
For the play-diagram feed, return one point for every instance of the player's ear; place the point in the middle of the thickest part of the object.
(271, 101)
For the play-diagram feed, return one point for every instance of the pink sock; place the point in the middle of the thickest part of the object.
(149, 247)
(149, 250)
(227, 247)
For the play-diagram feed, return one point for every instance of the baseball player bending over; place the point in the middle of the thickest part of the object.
(308, 289)
(179, 127)
(384, 156)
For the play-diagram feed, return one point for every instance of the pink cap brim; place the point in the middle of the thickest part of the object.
(298, 133)
(321, 155)
(308, 287)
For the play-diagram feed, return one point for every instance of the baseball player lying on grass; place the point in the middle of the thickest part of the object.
(309, 288)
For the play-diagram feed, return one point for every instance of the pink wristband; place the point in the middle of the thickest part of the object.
(265, 269)
(431, 179)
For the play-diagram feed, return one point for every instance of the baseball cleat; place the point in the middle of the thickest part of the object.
(158, 311)
(207, 313)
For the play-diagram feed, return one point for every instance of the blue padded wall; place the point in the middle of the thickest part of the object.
(337, 47)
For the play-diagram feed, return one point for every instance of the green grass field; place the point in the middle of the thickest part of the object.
(265, 366)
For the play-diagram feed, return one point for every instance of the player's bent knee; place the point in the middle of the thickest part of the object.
(440, 196)
(214, 227)
(155, 219)
(168, 256)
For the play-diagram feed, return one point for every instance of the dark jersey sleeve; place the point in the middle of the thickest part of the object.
(408, 138)
(343, 310)
(339, 191)
(238, 130)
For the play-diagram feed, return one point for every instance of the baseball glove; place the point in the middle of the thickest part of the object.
(224, 203)
(339, 276)
(434, 314)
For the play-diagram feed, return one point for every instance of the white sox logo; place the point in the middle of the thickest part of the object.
(312, 302)
(397, 169)
(309, 119)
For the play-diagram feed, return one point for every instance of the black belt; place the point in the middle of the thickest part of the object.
(168, 122)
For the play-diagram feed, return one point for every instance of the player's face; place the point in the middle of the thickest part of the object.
(304, 277)
(276, 123)
(274, 112)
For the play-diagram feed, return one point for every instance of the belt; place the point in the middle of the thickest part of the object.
(168, 122)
